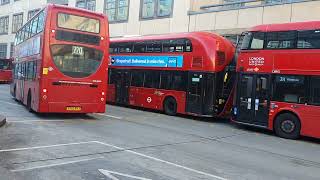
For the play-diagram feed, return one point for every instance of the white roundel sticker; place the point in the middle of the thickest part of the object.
(149, 99)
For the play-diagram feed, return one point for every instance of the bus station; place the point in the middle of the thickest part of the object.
(159, 89)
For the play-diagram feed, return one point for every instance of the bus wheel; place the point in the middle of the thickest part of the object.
(170, 106)
(287, 126)
(29, 102)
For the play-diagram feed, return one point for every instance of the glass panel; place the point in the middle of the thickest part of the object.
(289, 89)
(281, 40)
(309, 39)
(165, 7)
(76, 61)
(148, 8)
(315, 91)
(257, 40)
(246, 41)
(79, 23)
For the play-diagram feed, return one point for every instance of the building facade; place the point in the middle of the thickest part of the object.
(146, 17)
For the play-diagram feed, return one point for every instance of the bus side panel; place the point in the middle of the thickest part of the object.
(309, 117)
(154, 98)
(111, 93)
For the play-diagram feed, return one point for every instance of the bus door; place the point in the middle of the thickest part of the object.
(195, 91)
(22, 77)
(122, 83)
(253, 99)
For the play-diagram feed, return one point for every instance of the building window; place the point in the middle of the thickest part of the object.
(11, 49)
(5, 2)
(156, 8)
(117, 10)
(3, 51)
(17, 22)
(274, 1)
(32, 13)
(230, 4)
(86, 4)
(4, 24)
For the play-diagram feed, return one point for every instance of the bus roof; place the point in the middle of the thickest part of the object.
(189, 35)
(56, 6)
(287, 26)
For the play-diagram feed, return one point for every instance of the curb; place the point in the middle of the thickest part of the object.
(2, 120)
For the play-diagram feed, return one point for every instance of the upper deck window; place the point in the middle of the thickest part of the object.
(78, 23)
(309, 39)
(281, 40)
(253, 40)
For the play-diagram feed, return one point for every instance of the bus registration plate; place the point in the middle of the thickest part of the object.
(73, 108)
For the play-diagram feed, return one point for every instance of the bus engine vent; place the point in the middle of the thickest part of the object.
(197, 61)
(221, 57)
(77, 37)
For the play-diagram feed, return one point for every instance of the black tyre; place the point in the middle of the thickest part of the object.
(287, 126)
(170, 106)
(29, 102)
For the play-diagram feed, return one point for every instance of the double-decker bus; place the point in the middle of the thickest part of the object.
(279, 79)
(181, 73)
(61, 60)
(5, 70)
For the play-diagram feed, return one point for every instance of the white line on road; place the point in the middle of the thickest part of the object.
(49, 146)
(57, 164)
(163, 161)
(106, 115)
(109, 173)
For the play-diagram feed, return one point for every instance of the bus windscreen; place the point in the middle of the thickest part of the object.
(79, 23)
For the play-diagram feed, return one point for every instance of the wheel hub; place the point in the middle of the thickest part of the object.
(287, 126)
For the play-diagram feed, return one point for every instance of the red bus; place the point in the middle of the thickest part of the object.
(279, 79)
(176, 73)
(5, 70)
(61, 60)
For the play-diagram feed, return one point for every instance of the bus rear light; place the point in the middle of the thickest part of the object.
(102, 38)
(44, 90)
(53, 31)
(44, 97)
(102, 99)
(102, 93)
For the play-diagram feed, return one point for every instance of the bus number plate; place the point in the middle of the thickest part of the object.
(76, 50)
(72, 108)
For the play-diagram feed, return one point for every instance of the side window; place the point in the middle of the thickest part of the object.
(315, 91)
(290, 89)
(34, 26)
(154, 46)
(34, 70)
(125, 47)
(179, 81)
(188, 47)
(152, 79)
(165, 80)
(177, 45)
(111, 76)
(40, 26)
(139, 47)
(281, 40)
(114, 48)
(137, 78)
(257, 40)
(309, 39)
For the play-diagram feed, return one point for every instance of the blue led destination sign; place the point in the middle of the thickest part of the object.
(147, 61)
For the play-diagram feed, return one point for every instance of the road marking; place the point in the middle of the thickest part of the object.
(10, 103)
(106, 115)
(25, 121)
(109, 173)
(163, 161)
(57, 164)
(49, 146)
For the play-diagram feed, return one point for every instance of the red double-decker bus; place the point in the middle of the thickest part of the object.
(176, 73)
(5, 70)
(279, 79)
(61, 60)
